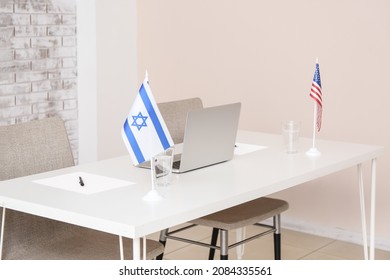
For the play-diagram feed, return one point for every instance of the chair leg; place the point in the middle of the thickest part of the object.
(163, 241)
(277, 240)
(224, 244)
(214, 238)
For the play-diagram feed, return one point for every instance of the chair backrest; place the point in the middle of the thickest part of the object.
(34, 147)
(175, 115)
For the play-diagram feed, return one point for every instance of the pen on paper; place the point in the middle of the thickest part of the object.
(81, 182)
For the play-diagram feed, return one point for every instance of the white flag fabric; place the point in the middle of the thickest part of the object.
(144, 132)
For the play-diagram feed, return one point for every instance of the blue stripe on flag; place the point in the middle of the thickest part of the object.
(153, 116)
(133, 142)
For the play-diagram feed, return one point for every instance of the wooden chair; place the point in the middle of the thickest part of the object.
(40, 146)
(249, 213)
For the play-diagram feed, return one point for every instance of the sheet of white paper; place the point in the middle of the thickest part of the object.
(92, 183)
(242, 148)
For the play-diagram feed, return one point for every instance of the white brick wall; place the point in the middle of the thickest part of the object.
(38, 62)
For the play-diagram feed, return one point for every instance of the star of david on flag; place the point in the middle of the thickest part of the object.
(144, 131)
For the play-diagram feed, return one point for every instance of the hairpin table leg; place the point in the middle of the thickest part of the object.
(2, 233)
(363, 211)
(372, 219)
(136, 249)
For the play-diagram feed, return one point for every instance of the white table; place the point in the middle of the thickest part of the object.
(123, 212)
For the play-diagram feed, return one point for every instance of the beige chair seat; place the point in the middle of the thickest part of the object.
(244, 215)
(45, 239)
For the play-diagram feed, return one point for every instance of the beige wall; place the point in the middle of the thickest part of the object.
(263, 53)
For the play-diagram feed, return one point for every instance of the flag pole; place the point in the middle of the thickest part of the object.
(313, 151)
(315, 112)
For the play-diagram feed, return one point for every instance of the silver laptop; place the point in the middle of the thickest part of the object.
(209, 138)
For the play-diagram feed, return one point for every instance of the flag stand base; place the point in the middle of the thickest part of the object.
(313, 152)
(152, 195)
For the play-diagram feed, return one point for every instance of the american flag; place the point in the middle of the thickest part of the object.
(316, 94)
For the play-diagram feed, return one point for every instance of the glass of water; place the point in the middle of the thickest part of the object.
(162, 168)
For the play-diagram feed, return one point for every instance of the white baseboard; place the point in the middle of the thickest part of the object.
(334, 233)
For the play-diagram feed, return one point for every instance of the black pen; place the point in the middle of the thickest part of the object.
(81, 182)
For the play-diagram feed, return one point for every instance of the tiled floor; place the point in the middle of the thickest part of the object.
(295, 246)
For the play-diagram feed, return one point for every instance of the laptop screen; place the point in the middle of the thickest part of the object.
(210, 136)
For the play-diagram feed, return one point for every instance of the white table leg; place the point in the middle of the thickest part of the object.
(136, 249)
(363, 211)
(2, 233)
(373, 200)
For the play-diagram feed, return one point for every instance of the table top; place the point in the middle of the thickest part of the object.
(122, 210)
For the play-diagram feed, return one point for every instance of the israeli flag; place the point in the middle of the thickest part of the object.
(144, 132)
